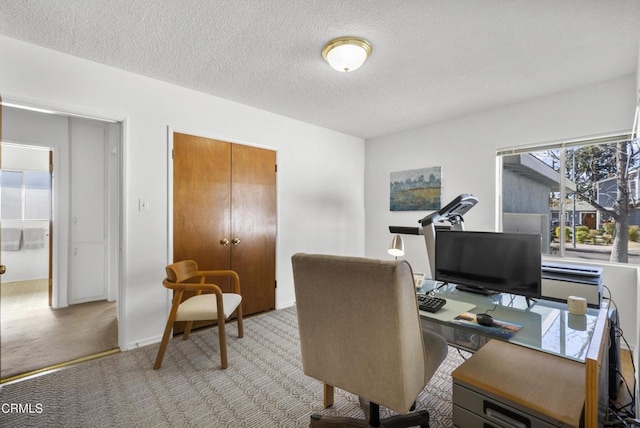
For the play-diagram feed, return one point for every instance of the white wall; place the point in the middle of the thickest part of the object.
(320, 172)
(466, 149)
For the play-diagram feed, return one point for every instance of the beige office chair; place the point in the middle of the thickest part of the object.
(360, 331)
(214, 305)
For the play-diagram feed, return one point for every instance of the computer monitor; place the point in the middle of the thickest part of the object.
(489, 261)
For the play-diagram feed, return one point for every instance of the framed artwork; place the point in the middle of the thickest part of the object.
(416, 190)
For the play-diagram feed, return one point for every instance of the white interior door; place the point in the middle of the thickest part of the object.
(88, 238)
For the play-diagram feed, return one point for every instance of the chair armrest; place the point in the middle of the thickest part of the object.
(213, 273)
(201, 287)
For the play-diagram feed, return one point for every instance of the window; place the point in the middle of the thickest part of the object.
(25, 195)
(581, 196)
(11, 198)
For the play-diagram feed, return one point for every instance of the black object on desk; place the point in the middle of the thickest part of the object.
(484, 319)
(430, 303)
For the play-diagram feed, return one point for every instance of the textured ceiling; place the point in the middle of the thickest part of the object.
(431, 60)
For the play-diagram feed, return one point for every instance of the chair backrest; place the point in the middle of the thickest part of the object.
(360, 328)
(181, 271)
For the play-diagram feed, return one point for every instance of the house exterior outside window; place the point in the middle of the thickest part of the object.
(552, 190)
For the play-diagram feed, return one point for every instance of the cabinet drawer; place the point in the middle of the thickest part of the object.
(472, 409)
(465, 419)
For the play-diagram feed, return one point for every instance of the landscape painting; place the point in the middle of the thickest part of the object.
(416, 190)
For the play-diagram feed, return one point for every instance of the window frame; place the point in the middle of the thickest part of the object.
(562, 145)
(24, 195)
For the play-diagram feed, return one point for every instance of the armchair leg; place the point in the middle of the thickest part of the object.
(223, 341)
(163, 344)
(239, 320)
(167, 329)
(187, 330)
(328, 395)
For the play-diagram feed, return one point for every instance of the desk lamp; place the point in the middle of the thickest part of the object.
(397, 246)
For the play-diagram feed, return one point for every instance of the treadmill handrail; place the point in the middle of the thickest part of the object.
(453, 211)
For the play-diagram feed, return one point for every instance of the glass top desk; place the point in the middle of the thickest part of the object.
(546, 326)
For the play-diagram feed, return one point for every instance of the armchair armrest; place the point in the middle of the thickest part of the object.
(202, 287)
(218, 273)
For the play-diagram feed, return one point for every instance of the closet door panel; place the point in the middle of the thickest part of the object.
(201, 206)
(254, 225)
(88, 281)
(88, 237)
(87, 181)
(201, 201)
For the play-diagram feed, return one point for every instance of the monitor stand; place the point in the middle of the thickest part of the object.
(476, 290)
(485, 292)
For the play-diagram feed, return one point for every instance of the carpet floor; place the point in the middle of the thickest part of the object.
(263, 387)
(34, 336)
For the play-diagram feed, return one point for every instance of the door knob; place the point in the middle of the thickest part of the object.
(3, 269)
(224, 241)
(235, 241)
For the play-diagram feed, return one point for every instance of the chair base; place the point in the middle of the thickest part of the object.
(420, 418)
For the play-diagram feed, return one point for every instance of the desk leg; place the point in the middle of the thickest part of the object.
(596, 363)
(591, 394)
(328, 395)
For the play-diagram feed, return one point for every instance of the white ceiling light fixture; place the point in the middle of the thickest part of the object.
(346, 53)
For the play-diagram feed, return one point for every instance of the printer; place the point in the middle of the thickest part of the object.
(561, 280)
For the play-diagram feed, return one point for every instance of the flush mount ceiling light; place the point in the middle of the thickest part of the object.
(346, 53)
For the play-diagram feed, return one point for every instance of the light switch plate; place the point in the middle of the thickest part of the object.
(143, 204)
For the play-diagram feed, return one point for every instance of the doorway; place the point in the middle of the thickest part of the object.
(75, 322)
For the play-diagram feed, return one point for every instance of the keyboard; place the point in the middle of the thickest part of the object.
(430, 303)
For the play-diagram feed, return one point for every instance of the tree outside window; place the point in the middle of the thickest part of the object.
(593, 206)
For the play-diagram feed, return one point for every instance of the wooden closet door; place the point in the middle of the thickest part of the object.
(201, 201)
(201, 206)
(226, 191)
(253, 214)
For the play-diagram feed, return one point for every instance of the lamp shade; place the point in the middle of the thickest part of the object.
(397, 246)
(346, 54)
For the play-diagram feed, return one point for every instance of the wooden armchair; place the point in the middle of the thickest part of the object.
(214, 305)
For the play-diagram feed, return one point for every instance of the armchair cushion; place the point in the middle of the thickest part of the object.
(203, 307)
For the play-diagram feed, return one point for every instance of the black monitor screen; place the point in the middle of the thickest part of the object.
(502, 262)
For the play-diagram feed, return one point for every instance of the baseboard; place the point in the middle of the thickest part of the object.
(285, 305)
(144, 342)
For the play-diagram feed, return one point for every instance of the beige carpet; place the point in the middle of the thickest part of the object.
(34, 336)
(263, 387)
